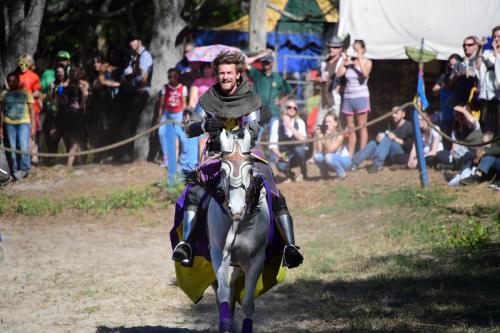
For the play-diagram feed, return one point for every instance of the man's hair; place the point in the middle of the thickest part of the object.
(228, 58)
(173, 70)
(28, 59)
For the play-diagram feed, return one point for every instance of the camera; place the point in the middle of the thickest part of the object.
(323, 128)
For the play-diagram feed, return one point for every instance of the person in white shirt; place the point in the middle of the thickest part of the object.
(290, 127)
(489, 85)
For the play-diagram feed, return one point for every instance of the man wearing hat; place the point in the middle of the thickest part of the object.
(270, 86)
(229, 104)
(134, 93)
(330, 96)
(49, 123)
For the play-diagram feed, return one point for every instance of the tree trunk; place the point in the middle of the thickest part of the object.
(20, 28)
(167, 25)
(257, 39)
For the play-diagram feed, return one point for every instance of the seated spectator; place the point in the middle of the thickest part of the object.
(465, 128)
(387, 144)
(330, 151)
(18, 115)
(289, 127)
(431, 142)
(487, 160)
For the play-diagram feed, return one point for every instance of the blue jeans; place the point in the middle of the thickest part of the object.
(19, 138)
(378, 152)
(297, 157)
(332, 161)
(487, 162)
(168, 135)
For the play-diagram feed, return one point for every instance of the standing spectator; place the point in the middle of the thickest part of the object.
(134, 91)
(330, 84)
(387, 144)
(101, 108)
(18, 115)
(489, 94)
(198, 88)
(52, 125)
(31, 82)
(270, 86)
(289, 128)
(444, 88)
(356, 69)
(72, 108)
(172, 104)
(465, 73)
(201, 84)
(184, 66)
(330, 148)
(50, 130)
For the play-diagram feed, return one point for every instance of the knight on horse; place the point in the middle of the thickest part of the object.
(230, 104)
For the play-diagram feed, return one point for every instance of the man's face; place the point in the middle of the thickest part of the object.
(267, 66)
(62, 62)
(496, 37)
(228, 77)
(23, 65)
(397, 115)
(334, 51)
(13, 82)
(135, 44)
(470, 47)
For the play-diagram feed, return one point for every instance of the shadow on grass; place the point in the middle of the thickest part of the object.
(446, 291)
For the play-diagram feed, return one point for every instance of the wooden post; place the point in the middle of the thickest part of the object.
(258, 25)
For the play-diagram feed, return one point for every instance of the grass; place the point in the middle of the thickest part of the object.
(158, 196)
(407, 261)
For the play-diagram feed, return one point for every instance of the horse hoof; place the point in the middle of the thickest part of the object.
(247, 326)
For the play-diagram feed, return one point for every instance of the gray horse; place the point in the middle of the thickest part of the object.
(238, 227)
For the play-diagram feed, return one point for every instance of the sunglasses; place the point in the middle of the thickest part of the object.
(290, 107)
(468, 45)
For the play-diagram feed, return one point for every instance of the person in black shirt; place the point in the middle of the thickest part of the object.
(391, 143)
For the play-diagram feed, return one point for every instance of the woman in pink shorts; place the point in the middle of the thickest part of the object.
(356, 103)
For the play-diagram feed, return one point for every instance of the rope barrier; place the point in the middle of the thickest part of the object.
(152, 129)
(96, 150)
(447, 137)
(294, 142)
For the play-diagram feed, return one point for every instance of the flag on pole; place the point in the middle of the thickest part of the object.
(422, 99)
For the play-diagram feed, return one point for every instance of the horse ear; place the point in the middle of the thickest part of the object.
(247, 141)
(224, 141)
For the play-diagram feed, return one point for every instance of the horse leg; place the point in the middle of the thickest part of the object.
(220, 263)
(251, 276)
(232, 292)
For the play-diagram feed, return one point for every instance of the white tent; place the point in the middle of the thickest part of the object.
(387, 26)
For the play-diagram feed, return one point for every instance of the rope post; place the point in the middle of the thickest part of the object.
(422, 168)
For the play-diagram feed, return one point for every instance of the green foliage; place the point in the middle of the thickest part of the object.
(469, 234)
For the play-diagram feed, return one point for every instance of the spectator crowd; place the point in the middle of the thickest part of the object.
(96, 105)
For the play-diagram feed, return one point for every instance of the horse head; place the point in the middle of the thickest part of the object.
(237, 171)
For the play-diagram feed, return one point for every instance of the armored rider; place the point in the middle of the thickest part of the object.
(230, 103)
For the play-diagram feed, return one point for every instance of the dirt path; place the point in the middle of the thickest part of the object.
(76, 272)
